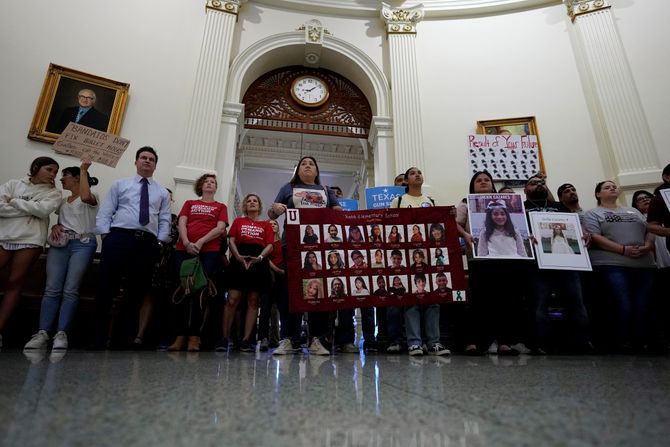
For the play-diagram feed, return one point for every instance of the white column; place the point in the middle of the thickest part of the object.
(628, 148)
(408, 126)
(204, 124)
(381, 142)
(232, 123)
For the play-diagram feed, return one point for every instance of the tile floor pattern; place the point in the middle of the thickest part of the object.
(202, 399)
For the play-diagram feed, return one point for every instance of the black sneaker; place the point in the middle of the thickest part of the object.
(370, 346)
(221, 345)
(247, 346)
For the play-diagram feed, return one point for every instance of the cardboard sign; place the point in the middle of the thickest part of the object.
(103, 147)
(392, 257)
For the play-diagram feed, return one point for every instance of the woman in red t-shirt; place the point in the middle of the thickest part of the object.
(201, 223)
(250, 241)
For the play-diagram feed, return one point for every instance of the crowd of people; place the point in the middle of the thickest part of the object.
(620, 307)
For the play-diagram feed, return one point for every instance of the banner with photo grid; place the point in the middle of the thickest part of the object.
(390, 257)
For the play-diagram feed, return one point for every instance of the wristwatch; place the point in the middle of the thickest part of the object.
(260, 257)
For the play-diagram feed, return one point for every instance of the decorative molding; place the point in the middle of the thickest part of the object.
(229, 6)
(401, 20)
(434, 9)
(577, 8)
(314, 32)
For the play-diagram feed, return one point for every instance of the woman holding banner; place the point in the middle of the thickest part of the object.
(419, 318)
(494, 294)
(304, 183)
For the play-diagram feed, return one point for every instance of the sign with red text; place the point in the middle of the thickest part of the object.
(506, 157)
(103, 147)
(391, 257)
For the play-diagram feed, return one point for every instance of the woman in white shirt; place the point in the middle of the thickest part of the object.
(72, 248)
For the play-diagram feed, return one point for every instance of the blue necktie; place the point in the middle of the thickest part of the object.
(144, 202)
(80, 114)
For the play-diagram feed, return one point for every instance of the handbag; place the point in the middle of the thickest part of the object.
(60, 241)
(192, 276)
(192, 279)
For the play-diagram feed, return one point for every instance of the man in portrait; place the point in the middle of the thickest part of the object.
(84, 113)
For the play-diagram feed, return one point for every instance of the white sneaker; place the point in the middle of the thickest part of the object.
(285, 347)
(38, 341)
(60, 341)
(350, 348)
(317, 348)
(415, 350)
(393, 348)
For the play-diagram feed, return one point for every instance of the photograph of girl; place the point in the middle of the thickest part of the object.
(309, 234)
(312, 289)
(359, 286)
(393, 236)
(310, 261)
(335, 259)
(336, 287)
(355, 234)
(439, 256)
(499, 237)
(376, 233)
(416, 232)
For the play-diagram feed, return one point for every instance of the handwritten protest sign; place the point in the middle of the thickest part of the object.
(103, 147)
(391, 257)
(506, 157)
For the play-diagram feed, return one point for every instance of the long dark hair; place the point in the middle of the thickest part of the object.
(306, 265)
(477, 174)
(75, 171)
(296, 177)
(342, 291)
(489, 225)
(37, 164)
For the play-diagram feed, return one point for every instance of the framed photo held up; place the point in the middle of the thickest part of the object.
(560, 243)
(73, 96)
(515, 127)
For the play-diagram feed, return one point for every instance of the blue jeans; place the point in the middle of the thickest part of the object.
(629, 288)
(66, 267)
(431, 324)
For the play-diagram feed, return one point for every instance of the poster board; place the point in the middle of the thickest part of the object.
(370, 266)
(560, 243)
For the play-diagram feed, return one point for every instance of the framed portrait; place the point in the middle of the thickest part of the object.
(71, 95)
(513, 126)
(560, 245)
(499, 226)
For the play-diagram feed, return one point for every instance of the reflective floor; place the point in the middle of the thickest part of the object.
(155, 398)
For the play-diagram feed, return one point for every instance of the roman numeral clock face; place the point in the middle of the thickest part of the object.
(309, 91)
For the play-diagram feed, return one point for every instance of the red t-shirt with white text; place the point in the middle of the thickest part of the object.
(247, 231)
(202, 218)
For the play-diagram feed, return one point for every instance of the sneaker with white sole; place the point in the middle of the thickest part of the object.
(285, 347)
(60, 341)
(316, 348)
(393, 348)
(438, 349)
(415, 350)
(38, 341)
(349, 348)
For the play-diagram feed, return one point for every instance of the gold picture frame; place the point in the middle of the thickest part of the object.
(515, 126)
(62, 95)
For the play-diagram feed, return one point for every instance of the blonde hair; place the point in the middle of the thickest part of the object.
(244, 202)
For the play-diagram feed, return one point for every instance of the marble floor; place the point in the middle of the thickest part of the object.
(156, 398)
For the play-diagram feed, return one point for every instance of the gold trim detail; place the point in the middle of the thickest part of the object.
(401, 21)
(577, 8)
(228, 6)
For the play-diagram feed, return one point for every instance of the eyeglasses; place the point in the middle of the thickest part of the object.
(86, 97)
(643, 199)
